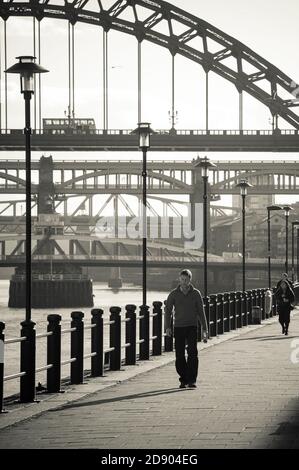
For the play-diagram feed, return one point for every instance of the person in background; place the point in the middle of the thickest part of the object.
(188, 310)
(285, 297)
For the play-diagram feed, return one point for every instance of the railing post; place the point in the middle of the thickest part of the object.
(239, 309)
(243, 309)
(233, 312)
(262, 303)
(213, 310)
(144, 330)
(249, 307)
(131, 335)
(206, 302)
(77, 347)
(220, 314)
(254, 298)
(168, 340)
(226, 312)
(28, 347)
(258, 297)
(115, 338)
(97, 342)
(2, 337)
(54, 353)
(274, 305)
(157, 329)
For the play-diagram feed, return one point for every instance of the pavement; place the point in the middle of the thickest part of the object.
(247, 397)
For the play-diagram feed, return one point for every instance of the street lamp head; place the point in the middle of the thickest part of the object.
(144, 131)
(26, 68)
(274, 208)
(287, 210)
(205, 164)
(243, 185)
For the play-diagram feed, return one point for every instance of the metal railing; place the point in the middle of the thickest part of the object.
(127, 132)
(225, 312)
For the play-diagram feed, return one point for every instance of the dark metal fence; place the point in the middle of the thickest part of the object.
(225, 312)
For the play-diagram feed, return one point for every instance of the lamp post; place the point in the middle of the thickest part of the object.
(287, 210)
(144, 131)
(27, 68)
(243, 185)
(296, 222)
(205, 165)
(269, 209)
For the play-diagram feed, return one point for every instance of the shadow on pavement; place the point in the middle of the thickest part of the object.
(269, 337)
(287, 433)
(153, 393)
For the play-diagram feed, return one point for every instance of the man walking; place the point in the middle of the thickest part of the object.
(188, 309)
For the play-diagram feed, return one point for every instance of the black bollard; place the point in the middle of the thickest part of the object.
(115, 338)
(157, 328)
(144, 350)
(249, 307)
(220, 311)
(97, 342)
(168, 341)
(233, 310)
(77, 347)
(226, 312)
(54, 353)
(214, 317)
(2, 337)
(206, 302)
(245, 308)
(27, 388)
(239, 309)
(131, 335)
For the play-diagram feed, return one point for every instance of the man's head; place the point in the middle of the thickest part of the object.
(185, 278)
(284, 276)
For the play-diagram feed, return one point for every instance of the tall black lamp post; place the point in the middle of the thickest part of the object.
(27, 68)
(243, 185)
(144, 131)
(296, 222)
(287, 210)
(205, 165)
(269, 209)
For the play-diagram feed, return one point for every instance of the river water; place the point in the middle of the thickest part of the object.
(104, 298)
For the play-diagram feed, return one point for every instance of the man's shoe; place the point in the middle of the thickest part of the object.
(192, 385)
(286, 332)
(182, 385)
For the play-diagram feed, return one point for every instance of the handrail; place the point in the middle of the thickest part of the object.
(229, 311)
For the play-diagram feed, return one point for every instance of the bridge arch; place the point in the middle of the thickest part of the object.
(251, 177)
(194, 27)
(15, 179)
(151, 174)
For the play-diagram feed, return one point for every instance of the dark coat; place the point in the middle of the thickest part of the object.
(284, 299)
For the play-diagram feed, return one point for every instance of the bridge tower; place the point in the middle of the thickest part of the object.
(115, 280)
(54, 283)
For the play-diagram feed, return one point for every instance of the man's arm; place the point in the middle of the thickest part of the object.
(201, 313)
(168, 311)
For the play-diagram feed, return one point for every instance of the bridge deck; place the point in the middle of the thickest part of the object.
(220, 141)
(247, 397)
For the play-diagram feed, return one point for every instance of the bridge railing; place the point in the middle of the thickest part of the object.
(172, 131)
(120, 340)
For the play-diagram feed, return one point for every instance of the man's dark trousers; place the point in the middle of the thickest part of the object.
(187, 369)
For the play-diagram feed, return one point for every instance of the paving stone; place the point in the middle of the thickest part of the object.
(247, 397)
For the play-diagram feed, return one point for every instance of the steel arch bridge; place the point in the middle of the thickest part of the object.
(143, 19)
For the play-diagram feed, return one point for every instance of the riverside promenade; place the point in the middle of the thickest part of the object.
(247, 397)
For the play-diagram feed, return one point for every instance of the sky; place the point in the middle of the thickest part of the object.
(269, 27)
